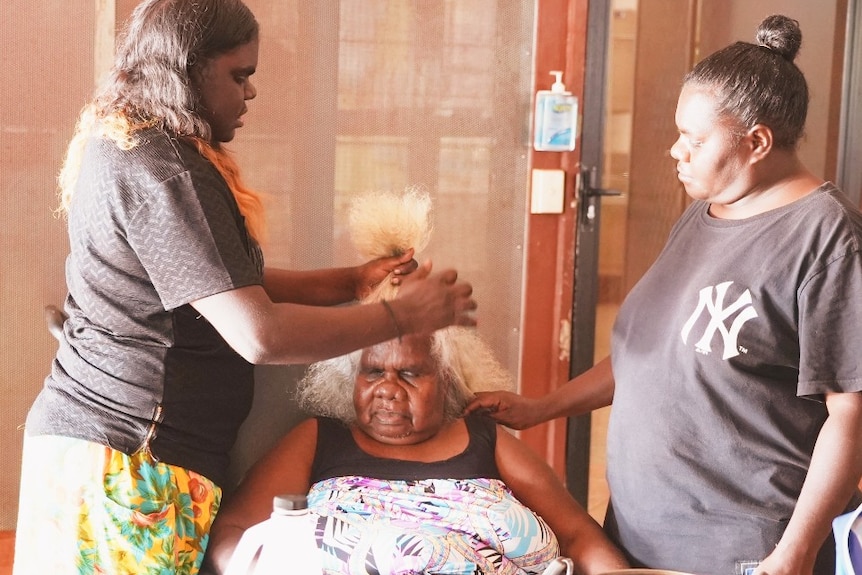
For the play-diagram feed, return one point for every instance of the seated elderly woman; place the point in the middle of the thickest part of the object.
(391, 469)
(398, 480)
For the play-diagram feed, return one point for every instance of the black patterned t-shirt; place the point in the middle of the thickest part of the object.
(151, 229)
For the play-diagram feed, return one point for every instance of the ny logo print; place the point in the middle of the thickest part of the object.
(712, 300)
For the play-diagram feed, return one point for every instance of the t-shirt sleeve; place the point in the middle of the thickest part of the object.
(830, 328)
(191, 239)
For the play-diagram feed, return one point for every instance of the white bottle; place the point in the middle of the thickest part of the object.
(560, 566)
(556, 118)
(282, 544)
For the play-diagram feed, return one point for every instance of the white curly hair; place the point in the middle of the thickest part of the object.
(385, 224)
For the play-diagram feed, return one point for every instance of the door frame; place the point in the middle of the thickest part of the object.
(560, 44)
(588, 225)
(849, 177)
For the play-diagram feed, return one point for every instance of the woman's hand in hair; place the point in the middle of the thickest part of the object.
(370, 274)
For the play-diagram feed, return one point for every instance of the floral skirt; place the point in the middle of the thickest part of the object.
(87, 509)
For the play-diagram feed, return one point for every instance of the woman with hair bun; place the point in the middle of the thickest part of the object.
(735, 378)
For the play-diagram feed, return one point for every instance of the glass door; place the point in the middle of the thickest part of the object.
(373, 95)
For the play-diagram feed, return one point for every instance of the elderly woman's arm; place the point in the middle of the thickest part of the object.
(284, 469)
(536, 485)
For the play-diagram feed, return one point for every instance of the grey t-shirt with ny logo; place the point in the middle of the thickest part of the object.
(721, 356)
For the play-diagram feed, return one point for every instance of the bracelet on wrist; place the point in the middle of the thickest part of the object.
(391, 313)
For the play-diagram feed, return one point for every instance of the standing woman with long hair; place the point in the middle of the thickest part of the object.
(170, 305)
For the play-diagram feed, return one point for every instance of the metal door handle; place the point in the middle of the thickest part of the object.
(587, 190)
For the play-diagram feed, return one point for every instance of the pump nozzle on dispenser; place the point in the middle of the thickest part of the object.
(558, 87)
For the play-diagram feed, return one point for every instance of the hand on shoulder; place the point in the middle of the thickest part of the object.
(507, 408)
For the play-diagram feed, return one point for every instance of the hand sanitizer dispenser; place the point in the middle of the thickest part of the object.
(556, 118)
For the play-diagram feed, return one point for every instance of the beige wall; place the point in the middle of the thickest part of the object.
(817, 20)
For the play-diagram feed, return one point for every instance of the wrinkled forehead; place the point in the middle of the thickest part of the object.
(412, 350)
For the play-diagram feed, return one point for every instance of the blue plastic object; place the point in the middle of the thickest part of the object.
(848, 547)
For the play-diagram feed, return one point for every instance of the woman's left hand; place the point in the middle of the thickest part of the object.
(371, 273)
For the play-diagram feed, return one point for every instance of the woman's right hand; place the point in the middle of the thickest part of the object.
(427, 302)
(590, 390)
(507, 408)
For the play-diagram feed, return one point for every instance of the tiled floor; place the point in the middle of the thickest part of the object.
(597, 496)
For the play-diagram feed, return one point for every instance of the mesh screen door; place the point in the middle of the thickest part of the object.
(360, 95)
(353, 96)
